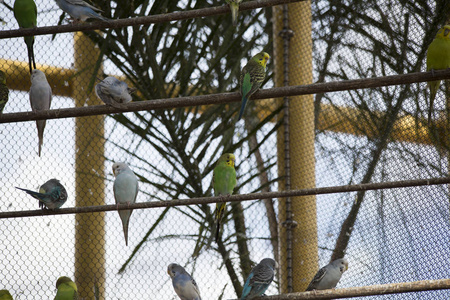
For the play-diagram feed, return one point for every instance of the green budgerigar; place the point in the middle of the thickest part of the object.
(67, 289)
(438, 58)
(5, 295)
(234, 6)
(25, 12)
(224, 181)
(252, 76)
(4, 92)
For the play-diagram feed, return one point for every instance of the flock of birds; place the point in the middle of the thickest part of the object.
(52, 194)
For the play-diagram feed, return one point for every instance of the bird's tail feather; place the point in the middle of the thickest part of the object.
(234, 13)
(33, 194)
(29, 40)
(125, 218)
(40, 127)
(243, 105)
(434, 86)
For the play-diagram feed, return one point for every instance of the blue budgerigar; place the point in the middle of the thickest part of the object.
(51, 195)
(259, 279)
(328, 276)
(183, 283)
(126, 188)
(79, 10)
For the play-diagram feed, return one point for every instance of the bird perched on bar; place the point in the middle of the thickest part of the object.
(114, 92)
(438, 58)
(5, 295)
(79, 10)
(259, 279)
(328, 276)
(67, 289)
(4, 92)
(40, 99)
(183, 283)
(125, 191)
(51, 195)
(224, 181)
(252, 76)
(25, 12)
(234, 7)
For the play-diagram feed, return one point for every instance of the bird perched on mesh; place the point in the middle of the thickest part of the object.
(234, 7)
(79, 10)
(5, 295)
(125, 188)
(183, 283)
(328, 276)
(259, 279)
(51, 195)
(4, 91)
(224, 181)
(40, 99)
(67, 289)
(438, 58)
(25, 12)
(252, 77)
(114, 92)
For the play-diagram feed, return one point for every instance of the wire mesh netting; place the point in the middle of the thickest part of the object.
(358, 136)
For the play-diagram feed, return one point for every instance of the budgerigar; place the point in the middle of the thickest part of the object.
(67, 289)
(80, 10)
(113, 91)
(259, 279)
(4, 92)
(252, 76)
(25, 12)
(224, 181)
(328, 276)
(5, 295)
(234, 6)
(125, 191)
(51, 195)
(183, 283)
(40, 99)
(438, 58)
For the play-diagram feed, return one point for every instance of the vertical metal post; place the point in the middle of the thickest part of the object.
(89, 176)
(296, 160)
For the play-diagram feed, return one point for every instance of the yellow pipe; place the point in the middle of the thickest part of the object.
(304, 244)
(89, 176)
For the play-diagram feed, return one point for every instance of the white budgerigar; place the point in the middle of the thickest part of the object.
(183, 283)
(328, 276)
(40, 99)
(113, 91)
(125, 191)
(79, 10)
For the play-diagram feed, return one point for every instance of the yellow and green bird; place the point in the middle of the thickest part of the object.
(252, 76)
(438, 58)
(25, 12)
(234, 6)
(5, 295)
(224, 181)
(67, 289)
(4, 92)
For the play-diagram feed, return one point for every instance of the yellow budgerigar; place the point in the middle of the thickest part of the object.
(438, 58)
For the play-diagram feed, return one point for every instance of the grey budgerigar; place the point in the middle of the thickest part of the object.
(183, 283)
(328, 276)
(40, 99)
(79, 10)
(113, 91)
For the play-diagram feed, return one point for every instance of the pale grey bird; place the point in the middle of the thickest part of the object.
(113, 91)
(183, 283)
(125, 191)
(328, 276)
(80, 10)
(259, 279)
(40, 99)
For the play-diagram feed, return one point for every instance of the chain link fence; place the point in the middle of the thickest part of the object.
(361, 136)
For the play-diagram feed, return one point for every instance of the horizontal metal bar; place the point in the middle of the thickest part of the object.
(233, 198)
